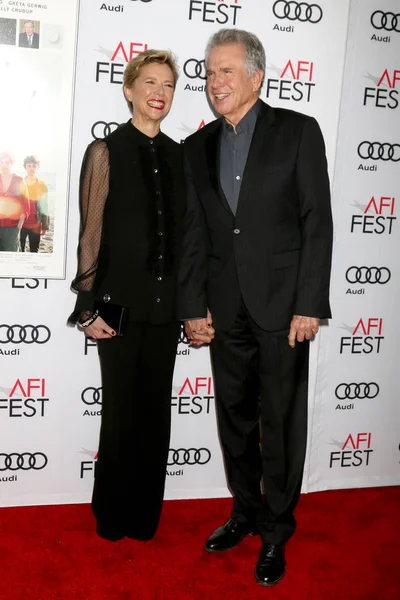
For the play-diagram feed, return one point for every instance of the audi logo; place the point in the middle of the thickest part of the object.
(378, 151)
(23, 462)
(24, 334)
(368, 275)
(182, 336)
(297, 11)
(351, 391)
(190, 456)
(91, 395)
(100, 129)
(387, 21)
(195, 69)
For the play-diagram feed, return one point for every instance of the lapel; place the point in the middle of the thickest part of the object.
(260, 152)
(212, 150)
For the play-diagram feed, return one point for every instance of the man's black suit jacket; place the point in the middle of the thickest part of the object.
(275, 253)
(23, 40)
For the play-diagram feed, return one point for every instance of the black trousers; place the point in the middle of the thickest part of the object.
(261, 397)
(33, 237)
(136, 371)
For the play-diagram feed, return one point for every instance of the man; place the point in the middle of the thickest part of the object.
(28, 38)
(257, 254)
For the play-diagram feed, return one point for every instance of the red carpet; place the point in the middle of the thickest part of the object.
(346, 547)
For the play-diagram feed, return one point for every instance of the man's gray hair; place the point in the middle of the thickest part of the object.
(254, 50)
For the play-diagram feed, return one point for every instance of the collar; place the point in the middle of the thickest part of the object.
(246, 124)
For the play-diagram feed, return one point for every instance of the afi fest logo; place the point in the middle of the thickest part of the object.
(88, 466)
(189, 130)
(113, 70)
(295, 81)
(193, 397)
(354, 452)
(385, 93)
(348, 392)
(366, 337)
(28, 284)
(25, 399)
(223, 12)
(386, 23)
(377, 217)
(366, 276)
(92, 397)
(295, 12)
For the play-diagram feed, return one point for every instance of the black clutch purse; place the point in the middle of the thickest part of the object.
(114, 315)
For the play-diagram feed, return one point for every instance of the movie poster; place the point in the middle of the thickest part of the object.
(37, 61)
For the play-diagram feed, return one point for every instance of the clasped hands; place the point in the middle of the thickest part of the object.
(201, 331)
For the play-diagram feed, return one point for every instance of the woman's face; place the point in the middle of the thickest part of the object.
(5, 164)
(152, 92)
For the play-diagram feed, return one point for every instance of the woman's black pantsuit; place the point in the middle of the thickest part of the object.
(132, 205)
(136, 372)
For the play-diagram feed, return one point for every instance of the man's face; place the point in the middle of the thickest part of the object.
(28, 28)
(31, 168)
(230, 89)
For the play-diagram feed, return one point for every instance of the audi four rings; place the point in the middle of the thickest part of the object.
(23, 462)
(379, 151)
(100, 129)
(387, 21)
(351, 391)
(194, 69)
(91, 395)
(182, 336)
(297, 11)
(368, 275)
(189, 456)
(24, 334)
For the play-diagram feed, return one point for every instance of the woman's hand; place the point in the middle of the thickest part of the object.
(99, 330)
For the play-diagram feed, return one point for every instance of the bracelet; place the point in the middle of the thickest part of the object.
(90, 320)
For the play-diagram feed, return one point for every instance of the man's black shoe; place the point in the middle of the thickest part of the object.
(271, 565)
(228, 536)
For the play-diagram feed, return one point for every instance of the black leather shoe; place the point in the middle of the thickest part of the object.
(271, 565)
(228, 536)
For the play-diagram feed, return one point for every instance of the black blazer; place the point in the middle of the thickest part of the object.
(275, 253)
(23, 41)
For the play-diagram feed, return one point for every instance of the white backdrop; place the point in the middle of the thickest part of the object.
(321, 58)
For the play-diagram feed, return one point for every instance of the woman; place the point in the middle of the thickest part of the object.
(38, 221)
(14, 204)
(132, 203)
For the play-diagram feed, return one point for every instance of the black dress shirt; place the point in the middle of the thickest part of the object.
(132, 199)
(234, 151)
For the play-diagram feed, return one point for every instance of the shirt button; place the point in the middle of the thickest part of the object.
(238, 177)
(159, 278)
(152, 149)
(236, 231)
(158, 193)
(158, 299)
(160, 233)
(160, 257)
(159, 212)
(151, 142)
(155, 171)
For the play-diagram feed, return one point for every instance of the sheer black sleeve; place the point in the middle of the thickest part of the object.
(93, 192)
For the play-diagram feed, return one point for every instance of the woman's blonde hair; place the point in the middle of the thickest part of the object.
(132, 70)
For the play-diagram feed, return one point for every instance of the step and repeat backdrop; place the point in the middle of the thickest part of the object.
(336, 60)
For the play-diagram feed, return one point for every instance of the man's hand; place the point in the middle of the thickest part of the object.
(200, 331)
(302, 328)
